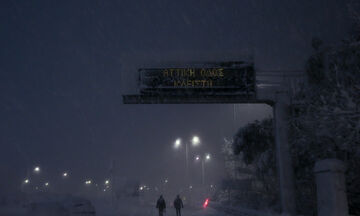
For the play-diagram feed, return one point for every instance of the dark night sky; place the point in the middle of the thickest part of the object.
(63, 70)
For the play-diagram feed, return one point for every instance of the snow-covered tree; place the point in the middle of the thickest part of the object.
(325, 120)
(255, 143)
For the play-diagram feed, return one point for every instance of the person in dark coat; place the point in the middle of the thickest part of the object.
(161, 205)
(178, 204)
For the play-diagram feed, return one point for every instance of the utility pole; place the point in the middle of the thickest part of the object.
(187, 164)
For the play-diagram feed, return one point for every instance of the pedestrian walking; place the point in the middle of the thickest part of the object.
(161, 205)
(178, 204)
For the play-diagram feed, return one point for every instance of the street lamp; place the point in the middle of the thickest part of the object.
(36, 169)
(207, 157)
(65, 174)
(46, 184)
(26, 181)
(195, 141)
(107, 182)
(88, 182)
(177, 143)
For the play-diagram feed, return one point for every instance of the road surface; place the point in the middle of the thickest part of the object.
(125, 208)
(134, 209)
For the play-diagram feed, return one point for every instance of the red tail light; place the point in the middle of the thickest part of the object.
(206, 203)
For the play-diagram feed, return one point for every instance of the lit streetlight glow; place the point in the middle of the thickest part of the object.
(195, 140)
(26, 181)
(208, 157)
(65, 174)
(37, 169)
(107, 182)
(197, 157)
(46, 184)
(88, 182)
(177, 143)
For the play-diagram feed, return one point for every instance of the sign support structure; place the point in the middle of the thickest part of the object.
(283, 156)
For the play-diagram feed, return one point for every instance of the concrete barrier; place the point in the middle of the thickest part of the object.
(331, 188)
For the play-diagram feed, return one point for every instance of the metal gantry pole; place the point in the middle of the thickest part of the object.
(283, 155)
(187, 164)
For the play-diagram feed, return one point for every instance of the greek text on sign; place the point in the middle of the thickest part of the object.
(198, 80)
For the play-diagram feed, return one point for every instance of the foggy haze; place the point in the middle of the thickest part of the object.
(63, 70)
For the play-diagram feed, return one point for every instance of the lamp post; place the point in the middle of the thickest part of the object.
(203, 159)
(195, 141)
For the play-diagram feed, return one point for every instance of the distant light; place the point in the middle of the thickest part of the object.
(26, 181)
(190, 187)
(195, 140)
(104, 190)
(37, 169)
(197, 157)
(88, 182)
(46, 184)
(211, 186)
(166, 181)
(177, 143)
(141, 188)
(65, 174)
(107, 182)
(208, 157)
(206, 203)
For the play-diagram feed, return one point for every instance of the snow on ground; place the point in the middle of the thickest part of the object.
(128, 208)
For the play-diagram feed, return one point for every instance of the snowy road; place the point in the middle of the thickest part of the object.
(104, 209)
(127, 208)
(170, 212)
